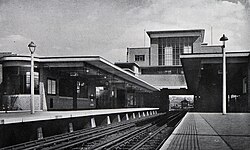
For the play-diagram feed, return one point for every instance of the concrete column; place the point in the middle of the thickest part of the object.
(119, 118)
(108, 120)
(143, 114)
(92, 121)
(133, 115)
(71, 127)
(127, 117)
(139, 115)
(39, 133)
(147, 113)
(74, 88)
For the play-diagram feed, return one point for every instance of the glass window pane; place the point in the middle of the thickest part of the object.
(49, 86)
(53, 87)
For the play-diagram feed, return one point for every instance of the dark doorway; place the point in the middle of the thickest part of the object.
(120, 98)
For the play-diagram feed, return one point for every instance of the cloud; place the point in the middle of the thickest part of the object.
(108, 27)
(15, 38)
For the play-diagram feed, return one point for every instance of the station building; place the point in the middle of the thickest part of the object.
(160, 64)
(70, 83)
(178, 62)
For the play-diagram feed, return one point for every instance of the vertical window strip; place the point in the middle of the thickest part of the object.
(179, 45)
(51, 86)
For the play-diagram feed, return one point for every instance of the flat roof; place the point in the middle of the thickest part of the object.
(170, 81)
(192, 64)
(213, 55)
(96, 61)
(126, 64)
(177, 33)
(170, 31)
(138, 47)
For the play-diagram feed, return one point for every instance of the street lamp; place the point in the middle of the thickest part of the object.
(224, 93)
(32, 48)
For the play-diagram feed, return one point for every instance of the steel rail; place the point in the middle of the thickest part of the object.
(38, 144)
(156, 133)
(120, 144)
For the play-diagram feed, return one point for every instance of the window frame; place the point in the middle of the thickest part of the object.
(139, 57)
(50, 90)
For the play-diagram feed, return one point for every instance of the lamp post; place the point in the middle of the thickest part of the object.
(32, 48)
(224, 93)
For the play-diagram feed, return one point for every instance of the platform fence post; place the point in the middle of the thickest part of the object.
(39, 133)
(108, 120)
(71, 127)
(93, 124)
(119, 118)
(127, 117)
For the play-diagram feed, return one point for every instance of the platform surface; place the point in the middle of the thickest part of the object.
(26, 116)
(211, 131)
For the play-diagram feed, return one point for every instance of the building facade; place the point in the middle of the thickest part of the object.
(160, 63)
(179, 63)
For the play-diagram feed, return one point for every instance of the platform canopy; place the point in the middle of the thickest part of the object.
(81, 65)
(202, 65)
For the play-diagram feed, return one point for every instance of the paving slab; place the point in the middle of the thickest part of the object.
(211, 131)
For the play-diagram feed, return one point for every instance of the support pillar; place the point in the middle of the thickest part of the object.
(74, 94)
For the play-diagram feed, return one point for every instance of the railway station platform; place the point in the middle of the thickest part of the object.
(211, 131)
(22, 126)
(26, 116)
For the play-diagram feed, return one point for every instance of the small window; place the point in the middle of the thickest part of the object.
(51, 86)
(139, 57)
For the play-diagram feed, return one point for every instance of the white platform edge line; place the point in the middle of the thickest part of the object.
(169, 140)
(87, 113)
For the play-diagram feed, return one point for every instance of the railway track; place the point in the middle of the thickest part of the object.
(77, 138)
(143, 133)
(152, 136)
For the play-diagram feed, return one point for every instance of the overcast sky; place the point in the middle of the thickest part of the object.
(108, 27)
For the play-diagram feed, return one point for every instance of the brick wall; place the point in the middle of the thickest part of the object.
(22, 102)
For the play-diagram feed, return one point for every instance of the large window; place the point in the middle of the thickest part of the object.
(139, 57)
(170, 49)
(28, 82)
(17, 80)
(51, 86)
